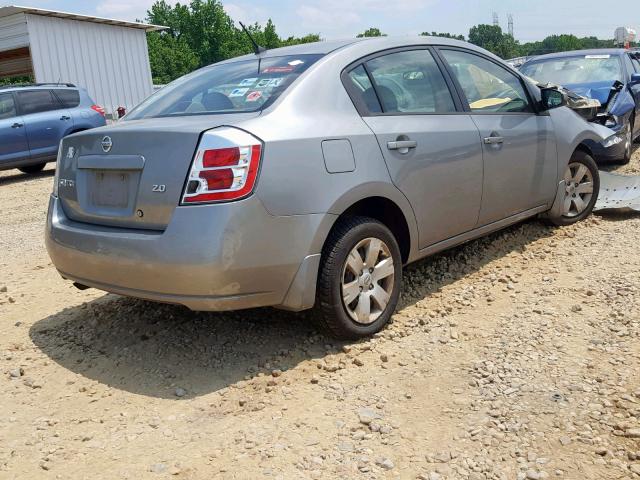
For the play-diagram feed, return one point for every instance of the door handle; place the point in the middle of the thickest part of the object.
(64, 117)
(493, 140)
(402, 145)
(17, 125)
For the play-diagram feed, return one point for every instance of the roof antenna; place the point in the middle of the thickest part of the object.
(257, 49)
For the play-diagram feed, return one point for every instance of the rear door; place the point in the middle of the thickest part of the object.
(45, 120)
(13, 139)
(69, 99)
(432, 148)
(519, 150)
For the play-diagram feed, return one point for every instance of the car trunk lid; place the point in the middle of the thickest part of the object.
(132, 174)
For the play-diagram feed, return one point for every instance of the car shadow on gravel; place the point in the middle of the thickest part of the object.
(15, 176)
(153, 349)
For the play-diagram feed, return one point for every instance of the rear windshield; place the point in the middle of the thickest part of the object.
(575, 70)
(244, 86)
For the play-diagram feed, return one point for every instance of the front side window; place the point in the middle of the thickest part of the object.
(7, 106)
(243, 86)
(410, 82)
(487, 86)
(575, 70)
(36, 101)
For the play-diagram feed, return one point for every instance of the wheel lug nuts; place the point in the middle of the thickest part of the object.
(370, 287)
(371, 270)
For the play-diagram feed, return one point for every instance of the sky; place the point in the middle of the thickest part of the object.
(533, 20)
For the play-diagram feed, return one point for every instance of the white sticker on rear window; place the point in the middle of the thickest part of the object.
(238, 92)
(264, 83)
(295, 63)
(275, 82)
(247, 82)
(597, 56)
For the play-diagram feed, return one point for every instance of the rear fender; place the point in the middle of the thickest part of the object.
(384, 190)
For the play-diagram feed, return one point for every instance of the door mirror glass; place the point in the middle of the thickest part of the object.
(635, 78)
(553, 98)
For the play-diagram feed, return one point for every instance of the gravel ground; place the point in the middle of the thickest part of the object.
(513, 357)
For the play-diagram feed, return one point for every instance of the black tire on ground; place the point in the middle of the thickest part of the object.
(31, 169)
(628, 153)
(330, 310)
(586, 160)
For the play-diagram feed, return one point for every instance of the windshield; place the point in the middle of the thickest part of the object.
(575, 70)
(245, 86)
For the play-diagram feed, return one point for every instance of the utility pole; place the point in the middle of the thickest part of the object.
(511, 25)
(496, 21)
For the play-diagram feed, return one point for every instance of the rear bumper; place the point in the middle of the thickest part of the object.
(210, 257)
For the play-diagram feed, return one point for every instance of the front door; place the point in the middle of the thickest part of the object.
(45, 121)
(432, 149)
(13, 139)
(519, 150)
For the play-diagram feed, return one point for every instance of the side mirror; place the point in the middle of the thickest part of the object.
(553, 98)
(635, 78)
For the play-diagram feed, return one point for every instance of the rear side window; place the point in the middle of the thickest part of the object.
(68, 98)
(487, 86)
(362, 87)
(409, 83)
(37, 101)
(7, 106)
(242, 86)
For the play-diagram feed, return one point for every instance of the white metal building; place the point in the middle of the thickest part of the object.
(107, 57)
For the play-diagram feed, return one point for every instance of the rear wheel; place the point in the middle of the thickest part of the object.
(582, 185)
(31, 169)
(359, 279)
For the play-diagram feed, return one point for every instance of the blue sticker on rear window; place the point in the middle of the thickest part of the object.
(238, 92)
(247, 82)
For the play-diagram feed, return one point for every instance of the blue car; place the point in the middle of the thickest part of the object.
(33, 120)
(611, 76)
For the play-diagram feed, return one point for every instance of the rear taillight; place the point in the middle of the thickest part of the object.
(99, 109)
(225, 167)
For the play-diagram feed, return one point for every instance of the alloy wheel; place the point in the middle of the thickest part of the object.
(579, 189)
(367, 280)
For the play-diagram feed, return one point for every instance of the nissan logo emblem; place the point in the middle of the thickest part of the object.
(106, 144)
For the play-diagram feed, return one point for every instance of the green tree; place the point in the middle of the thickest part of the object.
(371, 32)
(445, 35)
(491, 37)
(15, 80)
(201, 33)
(170, 57)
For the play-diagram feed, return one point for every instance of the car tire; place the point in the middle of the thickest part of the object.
(579, 200)
(628, 151)
(360, 270)
(31, 169)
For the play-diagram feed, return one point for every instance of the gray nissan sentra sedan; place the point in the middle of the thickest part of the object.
(306, 177)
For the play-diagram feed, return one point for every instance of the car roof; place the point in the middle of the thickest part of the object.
(376, 43)
(44, 86)
(577, 53)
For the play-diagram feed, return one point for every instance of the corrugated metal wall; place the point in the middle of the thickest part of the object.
(13, 32)
(111, 62)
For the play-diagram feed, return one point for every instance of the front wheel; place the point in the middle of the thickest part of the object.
(582, 186)
(359, 279)
(628, 144)
(31, 169)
